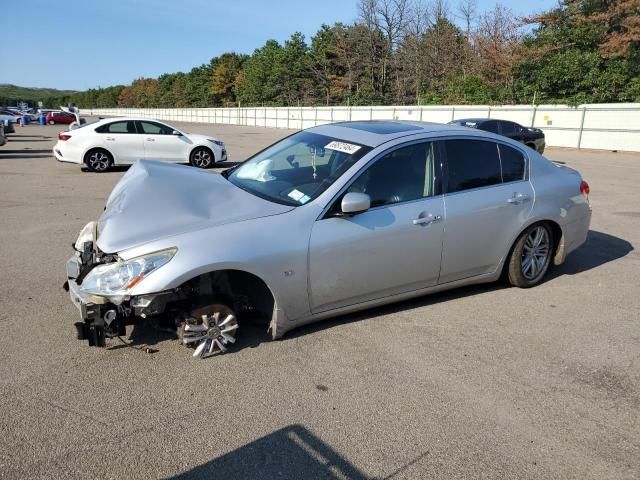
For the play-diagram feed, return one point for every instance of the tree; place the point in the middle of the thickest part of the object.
(261, 81)
(225, 72)
(496, 41)
(583, 51)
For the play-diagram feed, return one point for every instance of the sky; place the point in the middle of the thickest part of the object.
(80, 44)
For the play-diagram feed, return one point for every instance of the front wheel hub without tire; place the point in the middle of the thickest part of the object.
(214, 331)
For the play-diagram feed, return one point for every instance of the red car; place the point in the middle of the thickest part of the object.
(61, 117)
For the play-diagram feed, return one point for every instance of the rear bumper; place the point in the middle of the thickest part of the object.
(63, 155)
(574, 234)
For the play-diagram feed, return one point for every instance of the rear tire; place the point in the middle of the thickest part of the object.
(98, 160)
(51, 122)
(202, 157)
(531, 256)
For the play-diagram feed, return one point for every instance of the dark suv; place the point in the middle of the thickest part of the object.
(531, 137)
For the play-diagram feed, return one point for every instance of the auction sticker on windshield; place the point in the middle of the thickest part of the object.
(343, 147)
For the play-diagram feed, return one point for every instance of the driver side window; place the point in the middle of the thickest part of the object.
(152, 128)
(402, 175)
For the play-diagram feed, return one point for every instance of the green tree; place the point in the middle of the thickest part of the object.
(261, 80)
(576, 56)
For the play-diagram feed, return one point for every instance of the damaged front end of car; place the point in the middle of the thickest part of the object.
(202, 311)
(98, 284)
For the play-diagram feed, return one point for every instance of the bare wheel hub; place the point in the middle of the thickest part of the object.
(212, 332)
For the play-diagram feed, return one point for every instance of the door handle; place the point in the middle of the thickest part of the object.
(151, 139)
(110, 139)
(427, 219)
(518, 198)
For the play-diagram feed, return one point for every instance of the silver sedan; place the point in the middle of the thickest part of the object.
(327, 221)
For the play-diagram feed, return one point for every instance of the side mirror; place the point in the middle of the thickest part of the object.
(177, 133)
(354, 202)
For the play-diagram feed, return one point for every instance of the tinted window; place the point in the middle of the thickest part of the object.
(490, 126)
(400, 176)
(510, 128)
(513, 164)
(471, 164)
(117, 127)
(151, 128)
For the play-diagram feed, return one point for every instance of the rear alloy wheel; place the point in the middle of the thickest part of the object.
(202, 157)
(531, 256)
(210, 329)
(51, 122)
(98, 160)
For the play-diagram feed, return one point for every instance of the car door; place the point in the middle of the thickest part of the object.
(160, 143)
(486, 205)
(393, 247)
(122, 140)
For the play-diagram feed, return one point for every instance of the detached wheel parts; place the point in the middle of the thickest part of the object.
(531, 256)
(98, 160)
(202, 157)
(210, 329)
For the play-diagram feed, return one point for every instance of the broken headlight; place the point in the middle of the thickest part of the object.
(87, 234)
(117, 278)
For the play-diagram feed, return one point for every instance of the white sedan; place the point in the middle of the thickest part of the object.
(121, 141)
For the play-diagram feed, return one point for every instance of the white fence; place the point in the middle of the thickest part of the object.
(599, 126)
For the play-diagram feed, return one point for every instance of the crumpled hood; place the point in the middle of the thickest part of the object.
(154, 200)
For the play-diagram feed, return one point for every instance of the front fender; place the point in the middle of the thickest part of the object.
(272, 248)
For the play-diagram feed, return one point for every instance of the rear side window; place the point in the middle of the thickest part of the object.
(490, 126)
(510, 128)
(513, 164)
(117, 127)
(471, 164)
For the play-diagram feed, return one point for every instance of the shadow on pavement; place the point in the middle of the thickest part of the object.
(25, 152)
(290, 453)
(600, 248)
(26, 157)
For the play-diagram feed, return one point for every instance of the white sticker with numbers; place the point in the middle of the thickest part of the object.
(343, 147)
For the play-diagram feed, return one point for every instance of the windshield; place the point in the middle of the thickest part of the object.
(297, 169)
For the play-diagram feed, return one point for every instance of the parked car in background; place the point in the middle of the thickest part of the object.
(9, 121)
(10, 113)
(531, 137)
(61, 117)
(121, 141)
(329, 220)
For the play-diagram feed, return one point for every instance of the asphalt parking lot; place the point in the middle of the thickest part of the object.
(481, 382)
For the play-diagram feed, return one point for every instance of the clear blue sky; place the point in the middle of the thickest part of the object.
(79, 44)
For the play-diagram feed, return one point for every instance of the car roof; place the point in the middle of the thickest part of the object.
(475, 120)
(377, 132)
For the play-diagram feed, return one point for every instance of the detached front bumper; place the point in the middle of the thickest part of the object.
(99, 318)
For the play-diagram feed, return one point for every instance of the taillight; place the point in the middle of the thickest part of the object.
(64, 138)
(584, 188)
